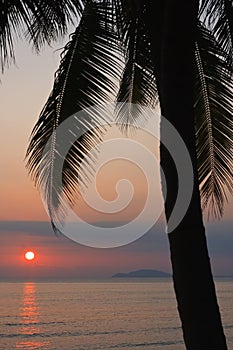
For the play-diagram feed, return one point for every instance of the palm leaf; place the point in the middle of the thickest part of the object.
(214, 122)
(85, 78)
(218, 15)
(39, 21)
(137, 86)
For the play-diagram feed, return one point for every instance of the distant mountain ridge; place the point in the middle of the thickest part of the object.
(142, 273)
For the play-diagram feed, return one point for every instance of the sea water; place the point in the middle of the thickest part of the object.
(110, 314)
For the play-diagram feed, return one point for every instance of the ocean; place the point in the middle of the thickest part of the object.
(109, 314)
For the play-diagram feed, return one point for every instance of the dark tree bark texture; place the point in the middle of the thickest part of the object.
(172, 31)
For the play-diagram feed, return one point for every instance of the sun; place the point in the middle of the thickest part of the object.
(29, 255)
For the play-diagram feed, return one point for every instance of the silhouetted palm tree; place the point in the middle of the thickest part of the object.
(181, 52)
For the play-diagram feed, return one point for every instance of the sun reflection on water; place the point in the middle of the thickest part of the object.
(29, 320)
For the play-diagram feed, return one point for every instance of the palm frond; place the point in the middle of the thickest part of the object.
(137, 86)
(214, 122)
(39, 21)
(218, 15)
(85, 78)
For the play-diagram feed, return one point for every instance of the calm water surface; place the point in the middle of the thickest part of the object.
(113, 314)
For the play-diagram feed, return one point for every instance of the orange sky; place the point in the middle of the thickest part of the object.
(23, 92)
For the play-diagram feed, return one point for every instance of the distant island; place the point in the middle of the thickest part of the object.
(142, 273)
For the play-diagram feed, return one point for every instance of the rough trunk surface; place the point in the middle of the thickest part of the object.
(173, 37)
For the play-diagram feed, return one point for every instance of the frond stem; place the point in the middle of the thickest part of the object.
(207, 109)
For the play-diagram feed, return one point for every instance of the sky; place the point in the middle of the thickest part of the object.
(24, 223)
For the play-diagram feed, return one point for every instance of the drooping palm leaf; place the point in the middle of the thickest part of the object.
(137, 86)
(85, 78)
(39, 21)
(214, 122)
(218, 14)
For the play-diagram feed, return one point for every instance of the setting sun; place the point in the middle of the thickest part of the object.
(29, 255)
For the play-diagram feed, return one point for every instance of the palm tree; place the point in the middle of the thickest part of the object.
(178, 51)
(190, 67)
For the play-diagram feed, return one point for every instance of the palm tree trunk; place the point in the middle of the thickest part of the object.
(173, 48)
